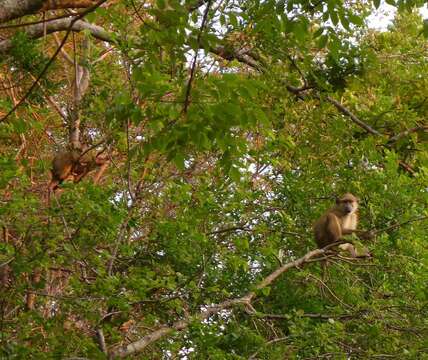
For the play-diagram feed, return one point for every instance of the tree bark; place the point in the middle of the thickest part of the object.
(13, 9)
(37, 31)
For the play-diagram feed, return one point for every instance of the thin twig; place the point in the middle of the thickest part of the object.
(193, 67)
(228, 229)
(395, 226)
(253, 356)
(330, 291)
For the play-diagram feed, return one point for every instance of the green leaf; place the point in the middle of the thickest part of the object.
(179, 160)
(266, 291)
(233, 20)
(355, 19)
(235, 174)
(333, 17)
(318, 33)
(299, 29)
(344, 20)
(322, 41)
(425, 28)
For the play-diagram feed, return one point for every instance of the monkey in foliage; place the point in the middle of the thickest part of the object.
(63, 165)
(341, 219)
(74, 164)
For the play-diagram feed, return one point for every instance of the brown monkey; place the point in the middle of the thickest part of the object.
(63, 165)
(341, 219)
(75, 164)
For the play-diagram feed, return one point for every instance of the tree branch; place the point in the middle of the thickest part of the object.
(245, 300)
(245, 58)
(99, 334)
(38, 30)
(236, 54)
(398, 225)
(254, 355)
(355, 119)
(67, 4)
(51, 60)
(51, 101)
(395, 138)
(12, 9)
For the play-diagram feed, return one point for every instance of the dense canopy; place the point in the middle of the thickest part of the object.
(210, 135)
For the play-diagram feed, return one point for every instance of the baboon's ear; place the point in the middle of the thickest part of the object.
(337, 200)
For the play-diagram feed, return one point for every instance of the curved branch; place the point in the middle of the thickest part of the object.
(245, 300)
(398, 225)
(67, 4)
(37, 31)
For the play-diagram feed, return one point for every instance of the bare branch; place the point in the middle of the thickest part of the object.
(398, 225)
(245, 58)
(63, 52)
(238, 54)
(254, 356)
(84, 75)
(229, 229)
(179, 325)
(355, 119)
(51, 101)
(395, 138)
(12, 9)
(37, 31)
(196, 5)
(67, 4)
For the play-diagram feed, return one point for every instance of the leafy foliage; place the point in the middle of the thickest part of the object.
(201, 203)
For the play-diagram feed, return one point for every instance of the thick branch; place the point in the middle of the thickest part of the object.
(141, 344)
(240, 55)
(13, 9)
(67, 4)
(37, 31)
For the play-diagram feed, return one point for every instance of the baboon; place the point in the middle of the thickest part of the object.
(341, 219)
(75, 164)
